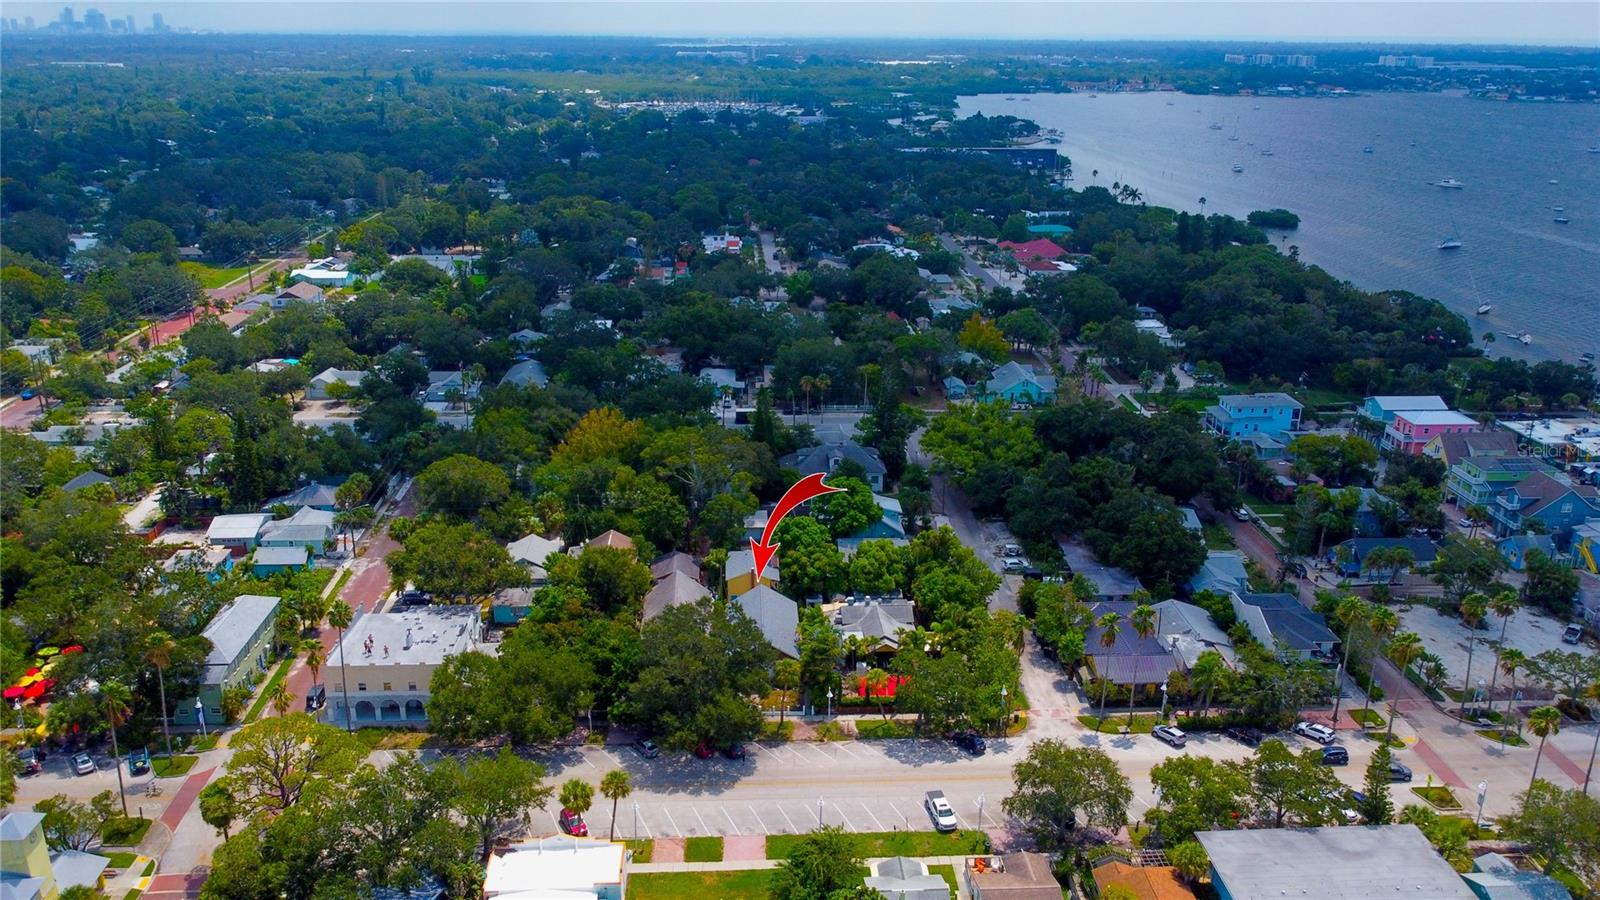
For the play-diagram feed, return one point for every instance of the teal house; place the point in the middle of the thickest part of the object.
(272, 560)
(1020, 384)
(890, 527)
(241, 648)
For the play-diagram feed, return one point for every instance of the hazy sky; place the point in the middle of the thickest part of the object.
(1566, 23)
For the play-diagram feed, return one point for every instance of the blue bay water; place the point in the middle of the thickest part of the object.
(1373, 218)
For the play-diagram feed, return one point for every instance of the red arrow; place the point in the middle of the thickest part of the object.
(801, 491)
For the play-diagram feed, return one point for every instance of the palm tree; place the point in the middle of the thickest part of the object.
(280, 699)
(1143, 620)
(1351, 611)
(1504, 605)
(616, 785)
(1591, 694)
(158, 650)
(1210, 672)
(114, 698)
(1478, 514)
(822, 383)
(785, 677)
(577, 795)
(1473, 609)
(1110, 626)
(1202, 206)
(877, 686)
(1383, 622)
(1544, 721)
(339, 616)
(806, 384)
(1512, 661)
(312, 648)
(1404, 650)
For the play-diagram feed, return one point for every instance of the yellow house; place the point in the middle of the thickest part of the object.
(29, 871)
(740, 573)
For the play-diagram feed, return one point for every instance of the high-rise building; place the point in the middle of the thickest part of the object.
(157, 23)
(67, 19)
(132, 28)
(1233, 59)
(95, 20)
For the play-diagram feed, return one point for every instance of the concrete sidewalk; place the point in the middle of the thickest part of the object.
(736, 865)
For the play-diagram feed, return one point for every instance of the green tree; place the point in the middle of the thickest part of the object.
(696, 663)
(1473, 608)
(616, 786)
(457, 561)
(786, 679)
(820, 865)
(1197, 794)
(218, 808)
(1543, 722)
(1465, 566)
(807, 556)
(1285, 785)
(1377, 808)
(850, 510)
(1056, 784)
(1550, 585)
(577, 795)
(278, 758)
(1110, 625)
(984, 338)
(1562, 826)
(1191, 861)
(878, 567)
(72, 824)
(491, 793)
(462, 486)
(1504, 605)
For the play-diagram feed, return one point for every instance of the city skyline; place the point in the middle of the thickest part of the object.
(1539, 23)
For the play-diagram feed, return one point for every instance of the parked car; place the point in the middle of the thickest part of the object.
(1169, 734)
(970, 741)
(1013, 564)
(1399, 771)
(1242, 514)
(413, 598)
(1250, 737)
(30, 761)
(1012, 550)
(82, 764)
(1335, 756)
(316, 698)
(939, 809)
(26, 395)
(703, 750)
(646, 748)
(734, 751)
(1573, 634)
(1316, 731)
(139, 762)
(572, 823)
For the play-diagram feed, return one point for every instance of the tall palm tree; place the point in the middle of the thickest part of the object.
(1504, 605)
(616, 785)
(312, 648)
(822, 383)
(1143, 619)
(114, 698)
(1383, 622)
(158, 650)
(1473, 608)
(280, 699)
(1210, 673)
(1544, 721)
(1592, 695)
(1512, 661)
(1404, 650)
(1351, 611)
(806, 384)
(339, 616)
(1110, 626)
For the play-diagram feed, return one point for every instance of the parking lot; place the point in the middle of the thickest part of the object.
(1443, 635)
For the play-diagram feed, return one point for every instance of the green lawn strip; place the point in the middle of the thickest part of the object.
(279, 672)
(1115, 722)
(1217, 537)
(344, 579)
(880, 729)
(121, 859)
(780, 732)
(1392, 740)
(149, 869)
(131, 895)
(172, 767)
(1367, 718)
(948, 873)
(1439, 796)
(740, 884)
(1128, 402)
(1509, 738)
(872, 844)
(702, 849)
(211, 276)
(202, 744)
(128, 836)
(642, 849)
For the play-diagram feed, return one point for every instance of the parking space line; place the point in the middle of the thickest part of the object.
(786, 818)
(731, 823)
(671, 821)
(844, 819)
(904, 819)
(960, 822)
(585, 758)
(608, 755)
(869, 813)
(647, 832)
(818, 751)
(702, 820)
(758, 820)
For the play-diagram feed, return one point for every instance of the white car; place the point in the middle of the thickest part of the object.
(1242, 514)
(1316, 731)
(83, 764)
(944, 817)
(1014, 564)
(1170, 734)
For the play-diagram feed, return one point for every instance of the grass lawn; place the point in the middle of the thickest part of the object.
(202, 744)
(1392, 740)
(1439, 796)
(702, 849)
(642, 849)
(1509, 738)
(393, 739)
(882, 729)
(1367, 718)
(149, 869)
(748, 884)
(1263, 508)
(172, 767)
(1128, 402)
(1464, 824)
(210, 276)
(777, 731)
(894, 843)
(1116, 721)
(948, 873)
(131, 895)
(1217, 537)
(129, 836)
(279, 672)
(121, 859)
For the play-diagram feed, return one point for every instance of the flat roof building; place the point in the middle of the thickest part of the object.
(1339, 863)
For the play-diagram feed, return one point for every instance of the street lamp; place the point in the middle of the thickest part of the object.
(636, 820)
(1163, 716)
(200, 713)
(830, 703)
(980, 812)
(819, 812)
(1483, 792)
(1004, 709)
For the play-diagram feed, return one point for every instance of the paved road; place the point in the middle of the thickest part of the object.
(769, 254)
(949, 501)
(970, 264)
(20, 413)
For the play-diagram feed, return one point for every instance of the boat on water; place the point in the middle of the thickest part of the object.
(1485, 308)
(1562, 220)
(1450, 243)
(1521, 337)
(1559, 209)
(1266, 152)
(1367, 149)
(1170, 103)
(1011, 98)
(1552, 181)
(1594, 149)
(1586, 357)
(1237, 168)
(1215, 126)
(1450, 183)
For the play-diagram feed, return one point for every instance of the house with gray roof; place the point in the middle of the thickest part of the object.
(1189, 631)
(87, 479)
(30, 870)
(1516, 548)
(1222, 572)
(675, 561)
(1131, 659)
(442, 384)
(317, 495)
(1495, 877)
(879, 622)
(528, 373)
(309, 528)
(241, 635)
(527, 337)
(531, 552)
(1111, 582)
(674, 589)
(1017, 383)
(1332, 863)
(776, 615)
(825, 458)
(1281, 621)
(905, 878)
(317, 389)
(273, 560)
(239, 530)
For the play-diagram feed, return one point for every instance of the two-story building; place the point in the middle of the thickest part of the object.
(1479, 479)
(1411, 430)
(1274, 414)
(1382, 409)
(1557, 504)
(386, 661)
(241, 636)
(739, 572)
(1282, 622)
(890, 527)
(29, 870)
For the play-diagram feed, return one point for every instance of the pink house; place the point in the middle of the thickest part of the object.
(1412, 429)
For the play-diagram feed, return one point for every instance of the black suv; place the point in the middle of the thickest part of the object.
(970, 741)
(1244, 734)
(1335, 756)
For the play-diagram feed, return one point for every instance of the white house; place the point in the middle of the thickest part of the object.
(389, 659)
(327, 272)
(557, 867)
(239, 530)
(318, 389)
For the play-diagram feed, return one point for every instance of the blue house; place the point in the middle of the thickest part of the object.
(1018, 383)
(955, 388)
(891, 527)
(1238, 415)
(1558, 505)
(1515, 549)
(1348, 558)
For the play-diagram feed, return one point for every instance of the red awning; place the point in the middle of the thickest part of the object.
(13, 692)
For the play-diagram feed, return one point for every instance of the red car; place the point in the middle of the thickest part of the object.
(703, 750)
(573, 824)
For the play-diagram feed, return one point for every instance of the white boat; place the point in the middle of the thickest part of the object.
(1367, 149)
(1266, 152)
(1215, 126)
(1484, 308)
(1237, 168)
(1521, 337)
(1450, 243)
(1450, 183)
(1552, 181)
(1562, 220)
(1594, 149)
(1559, 209)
